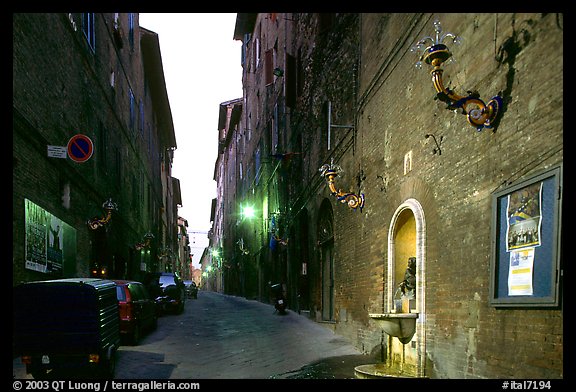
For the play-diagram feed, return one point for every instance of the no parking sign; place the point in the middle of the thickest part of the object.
(80, 148)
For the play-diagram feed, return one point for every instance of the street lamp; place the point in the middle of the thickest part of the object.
(330, 172)
(147, 238)
(108, 206)
(433, 51)
(248, 212)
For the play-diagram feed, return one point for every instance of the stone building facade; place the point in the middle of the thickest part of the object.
(410, 180)
(100, 76)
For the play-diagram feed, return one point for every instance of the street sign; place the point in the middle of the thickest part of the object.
(80, 148)
(57, 152)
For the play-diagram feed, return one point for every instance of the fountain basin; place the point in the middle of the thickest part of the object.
(382, 370)
(401, 325)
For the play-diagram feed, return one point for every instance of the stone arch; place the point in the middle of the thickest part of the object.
(416, 209)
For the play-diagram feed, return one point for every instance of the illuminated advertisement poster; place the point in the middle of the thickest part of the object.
(49, 240)
(523, 234)
(524, 217)
(521, 268)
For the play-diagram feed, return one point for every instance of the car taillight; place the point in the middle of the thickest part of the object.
(125, 311)
(93, 358)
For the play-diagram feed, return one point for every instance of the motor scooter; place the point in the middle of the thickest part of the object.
(278, 297)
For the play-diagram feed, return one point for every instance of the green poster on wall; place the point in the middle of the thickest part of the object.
(49, 241)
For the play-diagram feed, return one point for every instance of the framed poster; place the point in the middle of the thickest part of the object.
(526, 242)
(50, 243)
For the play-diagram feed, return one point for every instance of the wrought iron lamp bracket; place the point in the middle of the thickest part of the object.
(108, 206)
(147, 238)
(478, 113)
(330, 172)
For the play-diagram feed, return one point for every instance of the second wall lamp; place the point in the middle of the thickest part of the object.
(330, 172)
(108, 206)
(434, 52)
(147, 238)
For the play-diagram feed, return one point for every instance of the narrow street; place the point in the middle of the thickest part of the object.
(225, 337)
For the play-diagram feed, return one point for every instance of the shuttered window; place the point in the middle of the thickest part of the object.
(268, 67)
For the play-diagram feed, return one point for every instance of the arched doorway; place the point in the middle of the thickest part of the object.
(326, 244)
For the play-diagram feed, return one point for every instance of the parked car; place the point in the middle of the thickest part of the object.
(138, 312)
(173, 292)
(66, 325)
(191, 289)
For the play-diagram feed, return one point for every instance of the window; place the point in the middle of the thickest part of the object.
(141, 118)
(112, 79)
(257, 162)
(268, 66)
(120, 293)
(88, 29)
(274, 130)
(131, 30)
(132, 118)
(245, 43)
(257, 49)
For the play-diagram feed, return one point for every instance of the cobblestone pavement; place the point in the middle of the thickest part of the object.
(225, 337)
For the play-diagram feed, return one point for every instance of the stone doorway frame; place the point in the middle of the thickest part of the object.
(418, 212)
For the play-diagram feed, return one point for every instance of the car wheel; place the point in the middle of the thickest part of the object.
(109, 365)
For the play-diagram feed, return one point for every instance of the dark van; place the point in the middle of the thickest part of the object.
(67, 325)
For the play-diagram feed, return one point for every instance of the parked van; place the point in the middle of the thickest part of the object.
(67, 325)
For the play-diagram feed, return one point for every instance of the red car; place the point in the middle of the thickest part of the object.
(137, 310)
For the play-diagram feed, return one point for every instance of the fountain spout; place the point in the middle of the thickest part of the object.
(401, 321)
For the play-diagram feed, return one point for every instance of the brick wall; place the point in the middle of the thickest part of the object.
(61, 88)
(466, 338)
(363, 65)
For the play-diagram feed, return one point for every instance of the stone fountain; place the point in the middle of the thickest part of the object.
(399, 323)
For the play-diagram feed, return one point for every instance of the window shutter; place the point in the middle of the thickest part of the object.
(268, 66)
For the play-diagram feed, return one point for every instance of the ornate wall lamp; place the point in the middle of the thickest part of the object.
(147, 238)
(478, 113)
(330, 172)
(108, 206)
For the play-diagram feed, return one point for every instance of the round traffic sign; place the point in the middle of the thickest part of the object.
(80, 148)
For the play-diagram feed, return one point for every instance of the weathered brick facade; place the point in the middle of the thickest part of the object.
(73, 74)
(439, 208)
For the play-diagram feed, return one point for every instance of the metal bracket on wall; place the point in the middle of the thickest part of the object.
(437, 148)
(330, 125)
